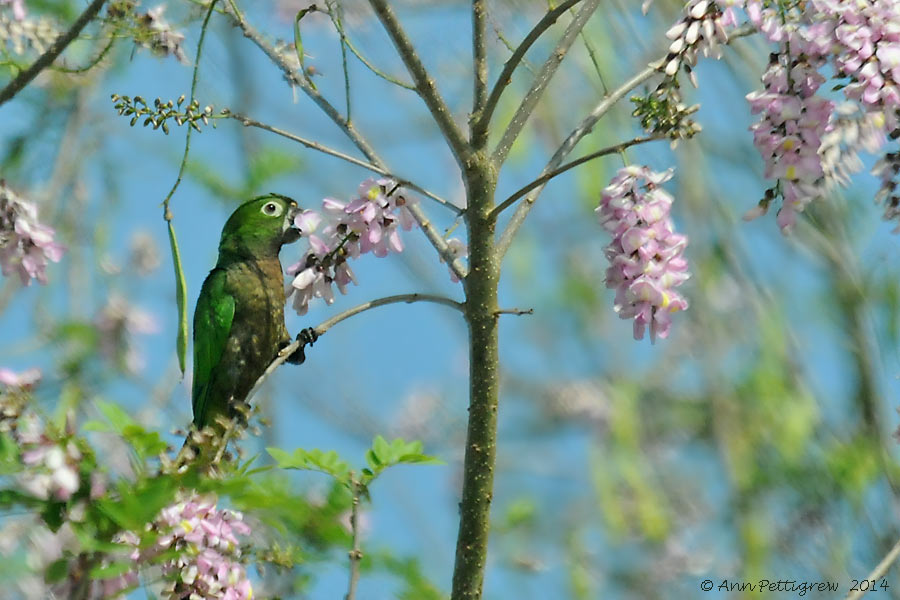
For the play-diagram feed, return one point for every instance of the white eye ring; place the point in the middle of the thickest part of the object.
(272, 209)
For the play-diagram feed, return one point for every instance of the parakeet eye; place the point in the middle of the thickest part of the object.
(272, 209)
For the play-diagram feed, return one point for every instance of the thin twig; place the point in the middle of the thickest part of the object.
(378, 72)
(323, 327)
(433, 235)
(294, 78)
(539, 86)
(425, 85)
(878, 572)
(584, 128)
(355, 553)
(518, 55)
(543, 179)
(334, 12)
(187, 139)
(226, 437)
(514, 311)
(47, 58)
(248, 122)
(90, 65)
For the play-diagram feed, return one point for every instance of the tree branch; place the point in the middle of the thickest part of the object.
(582, 130)
(294, 78)
(433, 235)
(424, 83)
(323, 327)
(480, 71)
(879, 571)
(46, 59)
(543, 179)
(248, 122)
(542, 81)
(505, 78)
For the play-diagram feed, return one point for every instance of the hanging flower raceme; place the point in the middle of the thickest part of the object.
(369, 223)
(645, 255)
(793, 122)
(25, 244)
(703, 28)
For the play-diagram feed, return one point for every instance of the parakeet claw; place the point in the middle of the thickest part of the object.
(306, 337)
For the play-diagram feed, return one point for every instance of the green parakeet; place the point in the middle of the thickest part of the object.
(239, 320)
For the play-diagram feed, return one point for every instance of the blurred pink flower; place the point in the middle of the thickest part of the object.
(25, 379)
(25, 244)
(18, 8)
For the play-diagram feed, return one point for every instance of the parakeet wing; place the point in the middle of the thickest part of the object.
(212, 325)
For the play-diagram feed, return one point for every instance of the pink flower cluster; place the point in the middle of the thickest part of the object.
(51, 465)
(645, 255)
(814, 144)
(789, 134)
(208, 563)
(864, 38)
(702, 29)
(25, 244)
(51, 460)
(369, 223)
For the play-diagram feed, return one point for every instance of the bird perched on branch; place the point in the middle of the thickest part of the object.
(239, 320)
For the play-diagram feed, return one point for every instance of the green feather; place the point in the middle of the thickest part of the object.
(212, 324)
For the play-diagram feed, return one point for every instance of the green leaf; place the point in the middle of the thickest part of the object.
(110, 571)
(9, 455)
(383, 455)
(181, 299)
(115, 415)
(298, 40)
(53, 515)
(313, 460)
(56, 570)
(381, 449)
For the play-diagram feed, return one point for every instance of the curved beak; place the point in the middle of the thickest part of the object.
(291, 233)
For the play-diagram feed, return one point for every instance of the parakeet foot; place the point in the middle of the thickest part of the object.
(306, 337)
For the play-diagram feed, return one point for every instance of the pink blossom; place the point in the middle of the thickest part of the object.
(458, 249)
(25, 379)
(204, 539)
(117, 323)
(645, 254)
(18, 8)
(703, 28)
(25, 244)
(52, 466)
(369, 223)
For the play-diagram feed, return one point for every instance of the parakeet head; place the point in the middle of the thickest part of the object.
(259, 227)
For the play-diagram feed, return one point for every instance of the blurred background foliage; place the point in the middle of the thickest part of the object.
(754, 443)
